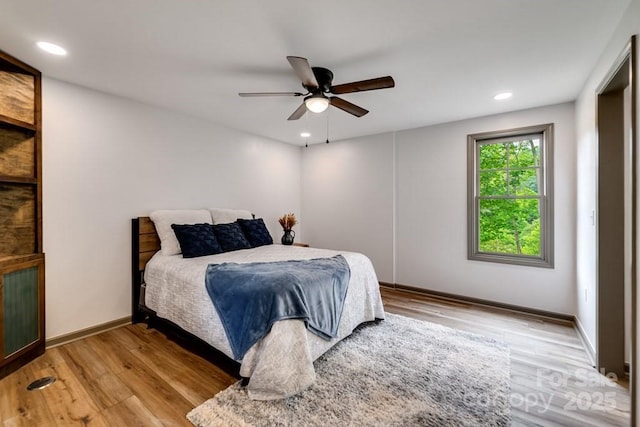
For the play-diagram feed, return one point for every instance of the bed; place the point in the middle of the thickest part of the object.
(170, 287)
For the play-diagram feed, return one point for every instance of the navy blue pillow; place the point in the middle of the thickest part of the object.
(230, 237)
(196, 240)
(256, 232)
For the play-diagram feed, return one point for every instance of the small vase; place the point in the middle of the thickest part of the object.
(287, 237)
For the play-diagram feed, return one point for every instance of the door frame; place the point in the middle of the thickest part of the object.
(610, 138)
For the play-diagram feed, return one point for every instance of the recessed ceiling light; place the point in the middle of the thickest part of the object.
(305, 134)
(52, 48)
(503, 95)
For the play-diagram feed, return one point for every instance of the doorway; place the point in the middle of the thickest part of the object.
(616, 224)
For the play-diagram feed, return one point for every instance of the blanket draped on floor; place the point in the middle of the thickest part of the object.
(250, 297)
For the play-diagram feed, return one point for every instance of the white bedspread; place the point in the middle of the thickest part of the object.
(281, 364)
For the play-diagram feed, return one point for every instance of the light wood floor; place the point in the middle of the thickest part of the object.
(548, 362)
(132, 376)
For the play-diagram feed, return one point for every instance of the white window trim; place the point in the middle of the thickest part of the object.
(546, 258)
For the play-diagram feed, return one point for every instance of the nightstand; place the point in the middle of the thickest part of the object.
(302, 245)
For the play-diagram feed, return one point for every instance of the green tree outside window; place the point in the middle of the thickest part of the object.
(509, 197)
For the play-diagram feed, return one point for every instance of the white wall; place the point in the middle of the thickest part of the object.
(586, 178)
(586, 182)
(107, 160)
(375, 193)
(347, 198)
(432, 215)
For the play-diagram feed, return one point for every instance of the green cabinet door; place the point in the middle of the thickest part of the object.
(20, 308)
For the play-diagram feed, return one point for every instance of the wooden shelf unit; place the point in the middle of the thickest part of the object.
(22, 334)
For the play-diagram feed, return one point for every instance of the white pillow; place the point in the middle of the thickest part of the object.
(225, 216)
(163, 219)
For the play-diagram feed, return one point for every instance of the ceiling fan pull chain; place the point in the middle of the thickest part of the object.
(328, 126)
(306, 142)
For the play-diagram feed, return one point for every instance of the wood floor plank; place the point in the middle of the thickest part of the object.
(131, 412)
(80, 356)
(108, 390)
(89, 366)
(181, 376)
(159, 397)
(26, 408)
(109, 346)
(67, 399)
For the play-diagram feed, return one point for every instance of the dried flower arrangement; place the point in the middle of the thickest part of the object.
(287, 221)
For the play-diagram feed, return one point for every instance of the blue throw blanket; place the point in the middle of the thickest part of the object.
(250, 297)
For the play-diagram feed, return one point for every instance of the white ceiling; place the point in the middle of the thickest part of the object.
(448, 57)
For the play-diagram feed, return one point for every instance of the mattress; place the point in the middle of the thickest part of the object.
(281, 364)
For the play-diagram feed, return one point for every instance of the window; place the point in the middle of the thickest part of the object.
(510, 196)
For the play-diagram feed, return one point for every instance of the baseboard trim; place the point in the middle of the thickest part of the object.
(478, 301)
(586, 342)
(83, 333)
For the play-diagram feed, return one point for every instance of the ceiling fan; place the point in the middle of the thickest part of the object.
(317, 82)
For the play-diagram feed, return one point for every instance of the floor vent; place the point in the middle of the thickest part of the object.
(41, 383)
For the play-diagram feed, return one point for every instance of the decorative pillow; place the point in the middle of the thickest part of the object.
(196, 240)
(230, 237)
(163, 219)
(225, 216)
(256, 232)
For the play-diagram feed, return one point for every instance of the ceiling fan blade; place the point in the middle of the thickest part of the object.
(361, 86)
(248, 94)
(347, 106)
(299, 112)
(303, 71)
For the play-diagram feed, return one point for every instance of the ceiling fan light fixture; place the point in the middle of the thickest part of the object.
(317, 103)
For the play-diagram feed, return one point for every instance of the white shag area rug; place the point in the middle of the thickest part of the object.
(396, 372)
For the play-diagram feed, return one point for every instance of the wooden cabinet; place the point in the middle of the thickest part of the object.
(21, 311)
(21, 259)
